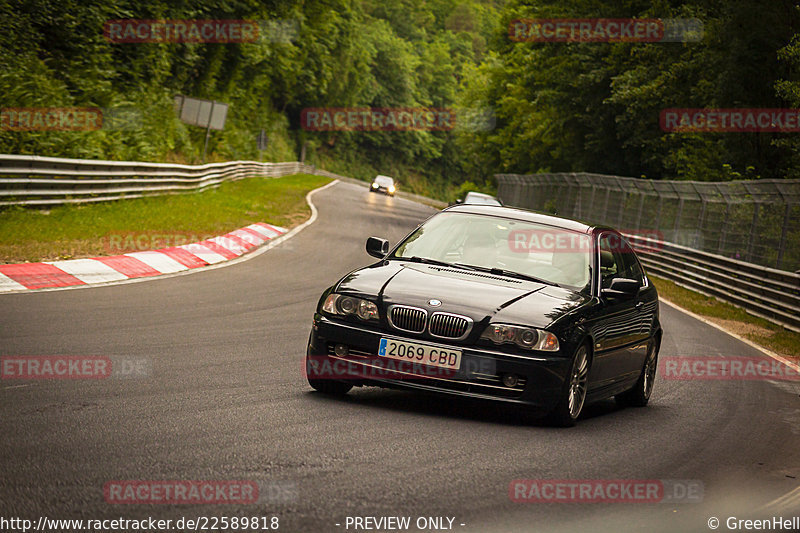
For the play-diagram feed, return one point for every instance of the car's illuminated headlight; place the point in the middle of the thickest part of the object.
(338, 304)
(391, 188)
(374, 185)
(529, 338)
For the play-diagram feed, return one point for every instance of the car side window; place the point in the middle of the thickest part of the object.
(631, 267)
(610, 265)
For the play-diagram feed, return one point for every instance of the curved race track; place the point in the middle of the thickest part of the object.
(225, 398)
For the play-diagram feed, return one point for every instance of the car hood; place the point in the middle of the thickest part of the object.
(480, 296)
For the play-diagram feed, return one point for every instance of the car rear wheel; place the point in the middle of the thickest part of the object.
(573, 396)
(639, 395)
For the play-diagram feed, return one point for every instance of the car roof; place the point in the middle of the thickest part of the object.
(525, 215)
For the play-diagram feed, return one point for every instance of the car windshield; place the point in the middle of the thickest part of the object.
(552, 254)
(384, 181)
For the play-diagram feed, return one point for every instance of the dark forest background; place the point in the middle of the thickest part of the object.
(554, 106)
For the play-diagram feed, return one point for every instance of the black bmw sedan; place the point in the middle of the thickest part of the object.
(494, 303)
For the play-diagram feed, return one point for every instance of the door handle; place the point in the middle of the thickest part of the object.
(639, 305)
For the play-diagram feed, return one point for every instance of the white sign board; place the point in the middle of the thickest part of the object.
(203, 113)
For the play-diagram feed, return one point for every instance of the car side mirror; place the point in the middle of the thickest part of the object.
(621, 288)
(377, 247)
(459, 201)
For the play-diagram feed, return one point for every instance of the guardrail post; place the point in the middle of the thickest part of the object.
(784, 229)
(679, 214)
(592, 208)
(752, 239)
(724, 230)
(576, 205)
(641, 208)
(657, 225)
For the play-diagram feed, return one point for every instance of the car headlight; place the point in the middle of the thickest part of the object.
(529, 338)
(338, 304)
(391, 188)
(374, 185)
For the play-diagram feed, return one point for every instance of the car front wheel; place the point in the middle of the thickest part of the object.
(573, 396)
(324, 385)
(333, 388)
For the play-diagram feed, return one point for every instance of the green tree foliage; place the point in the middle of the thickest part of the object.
(337, 53)
(548, 106)
(595, 106)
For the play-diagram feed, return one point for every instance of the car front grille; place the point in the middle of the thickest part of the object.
(406, 318)
(449, 326)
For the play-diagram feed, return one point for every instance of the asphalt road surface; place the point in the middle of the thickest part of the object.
(224, 398)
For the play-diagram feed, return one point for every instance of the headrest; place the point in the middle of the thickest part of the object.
(606, 259)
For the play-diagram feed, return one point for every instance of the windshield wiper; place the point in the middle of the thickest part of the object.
(508, 273)
(490, 270)
(429, 261)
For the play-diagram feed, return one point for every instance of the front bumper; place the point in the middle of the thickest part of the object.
(540, 383)
(384, 190)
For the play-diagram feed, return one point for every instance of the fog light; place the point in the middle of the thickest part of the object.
(510, 380)
(341, 350)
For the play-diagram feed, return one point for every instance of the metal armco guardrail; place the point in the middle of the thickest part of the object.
(757, 221)
(674, 210)
(762, 291)
(43, 181)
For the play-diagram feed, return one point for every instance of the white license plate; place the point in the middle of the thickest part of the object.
(420, 353)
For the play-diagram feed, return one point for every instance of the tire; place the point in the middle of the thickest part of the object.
(639, 395)
(328, 386)
(573, 397)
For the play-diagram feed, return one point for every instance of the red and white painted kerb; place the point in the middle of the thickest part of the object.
(50, 274)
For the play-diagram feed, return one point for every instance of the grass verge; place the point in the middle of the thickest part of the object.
(762, 332)
(110, 228)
